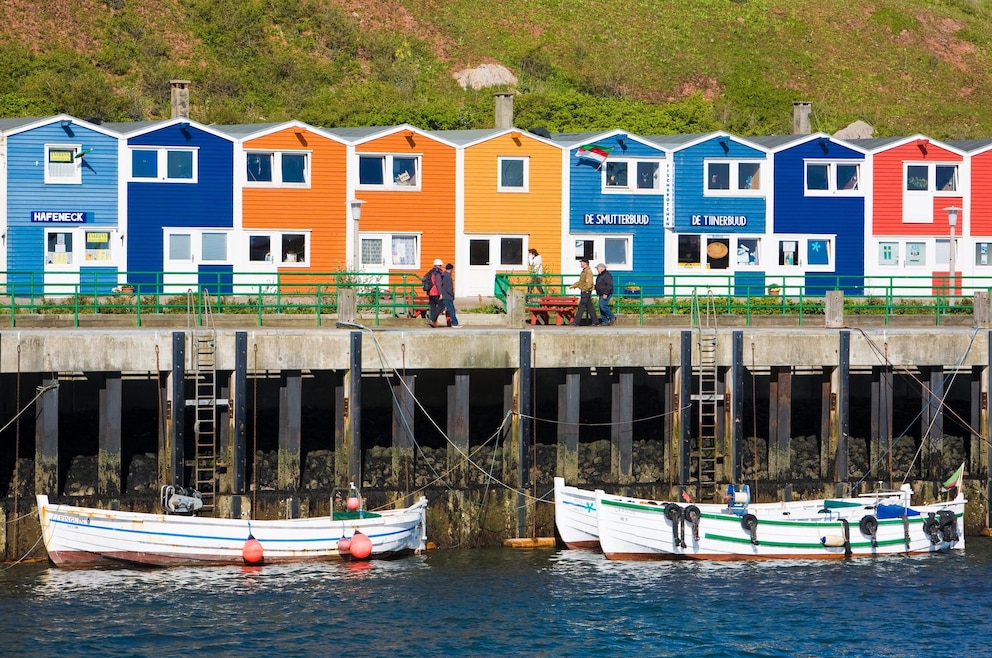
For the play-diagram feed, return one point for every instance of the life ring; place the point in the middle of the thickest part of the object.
(673, 512)
(868, 525)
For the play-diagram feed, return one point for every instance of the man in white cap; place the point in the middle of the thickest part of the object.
(432, 286)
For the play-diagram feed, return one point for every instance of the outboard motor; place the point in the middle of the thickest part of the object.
(177, 500)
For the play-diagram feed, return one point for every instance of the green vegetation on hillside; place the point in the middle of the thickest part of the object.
(648, 66)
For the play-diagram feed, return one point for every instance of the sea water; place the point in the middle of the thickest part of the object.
(510, 602)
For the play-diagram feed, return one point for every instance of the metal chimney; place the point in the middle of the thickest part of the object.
(800, 118)
(504, 111)
(180, 99)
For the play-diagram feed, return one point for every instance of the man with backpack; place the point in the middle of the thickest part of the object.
(432, 286)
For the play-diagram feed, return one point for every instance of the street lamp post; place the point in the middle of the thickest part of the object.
(952, 220)
(355, 208)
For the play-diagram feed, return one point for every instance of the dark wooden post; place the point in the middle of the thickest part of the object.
(108, 480)
(568, 427)
(290, 411)
(622, 428)
(46, 439)
(458, 424)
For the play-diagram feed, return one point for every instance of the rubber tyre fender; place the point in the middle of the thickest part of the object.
(868, 525)
(749, 522)
(931, 527)
(948, 525)
(673, 512)
(692, 514)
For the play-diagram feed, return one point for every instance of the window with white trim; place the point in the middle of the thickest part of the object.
(614, 251)
(391, 172)
(825, 177)
(98, 246)
(59, 248)
(931, 177)
(62, 164)
(812, 253)
(632, 175)
(390, 251)
(284, 168)
(285, 248)
(888, 253)
(164, 165)
(514, 174)
(732, 177)
(983, 254)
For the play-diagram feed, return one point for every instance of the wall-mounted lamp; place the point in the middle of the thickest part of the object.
(65, 123)
(724, 142)
(122, 238)
(824, 143)
(623, 143)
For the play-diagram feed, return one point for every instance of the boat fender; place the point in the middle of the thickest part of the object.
(869, 527)
(931, 527)
(692, 515)
(361, 546)
(252, 552)
(674, 514)
(948, 525)
(832, 541)
(344, 545)
(750, 524)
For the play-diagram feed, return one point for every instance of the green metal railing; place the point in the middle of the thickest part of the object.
(394, 294)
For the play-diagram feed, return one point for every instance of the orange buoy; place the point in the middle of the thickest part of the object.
(344, 545)
(352, 503)
(252, 552)
(361, 546)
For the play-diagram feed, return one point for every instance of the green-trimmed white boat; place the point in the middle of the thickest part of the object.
(881, 523)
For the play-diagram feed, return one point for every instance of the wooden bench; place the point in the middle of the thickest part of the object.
(563, 309)
(420, 306)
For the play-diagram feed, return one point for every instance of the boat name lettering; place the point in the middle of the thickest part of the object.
(719, 220)
(64, 518)
(616, 219)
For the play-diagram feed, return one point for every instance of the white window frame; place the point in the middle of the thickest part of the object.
(802, 249)
(631, 186)
(76, 178)
(733, 245)
(387, 177)
(832, 189)
(390, 262)
(898, 247)
(500, 187)
(735, 173)
(276, 168)
(276, 256)
(162, 164)
(988, 253)
(196, 245)
(78, 251)
(599, 250)
(932, 179)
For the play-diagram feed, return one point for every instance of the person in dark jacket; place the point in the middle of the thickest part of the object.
(448, 295)
(604, 291)
(434, 292)
(585, 285)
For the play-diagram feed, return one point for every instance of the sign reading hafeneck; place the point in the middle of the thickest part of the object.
(57, 217)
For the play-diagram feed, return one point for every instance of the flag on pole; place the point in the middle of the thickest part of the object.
(956, 479)
(593, 152)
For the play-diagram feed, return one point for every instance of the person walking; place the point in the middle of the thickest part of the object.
(604, 292)
(585, 285)
(535, 266)
(448, 295)
(432, 286)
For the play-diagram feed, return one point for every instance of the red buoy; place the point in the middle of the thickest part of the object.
(252, 552)
(344, 545)
(352, 503)
(361, 546)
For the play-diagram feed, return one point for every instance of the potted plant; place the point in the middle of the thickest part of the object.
(774, 289)
(124, 289)
(632, 290)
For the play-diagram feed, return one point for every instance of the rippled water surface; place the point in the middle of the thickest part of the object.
(479, 602)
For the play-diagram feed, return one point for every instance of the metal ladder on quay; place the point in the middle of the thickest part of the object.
(704, 448)
(204, 338)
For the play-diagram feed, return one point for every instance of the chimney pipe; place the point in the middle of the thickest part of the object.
(800, 118)
(180, 99)
(504, 111)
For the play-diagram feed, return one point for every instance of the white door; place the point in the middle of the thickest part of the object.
(488, 255)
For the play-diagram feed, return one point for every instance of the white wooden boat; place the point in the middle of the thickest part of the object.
(81, 536)
(575, 516)
(872, 524)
